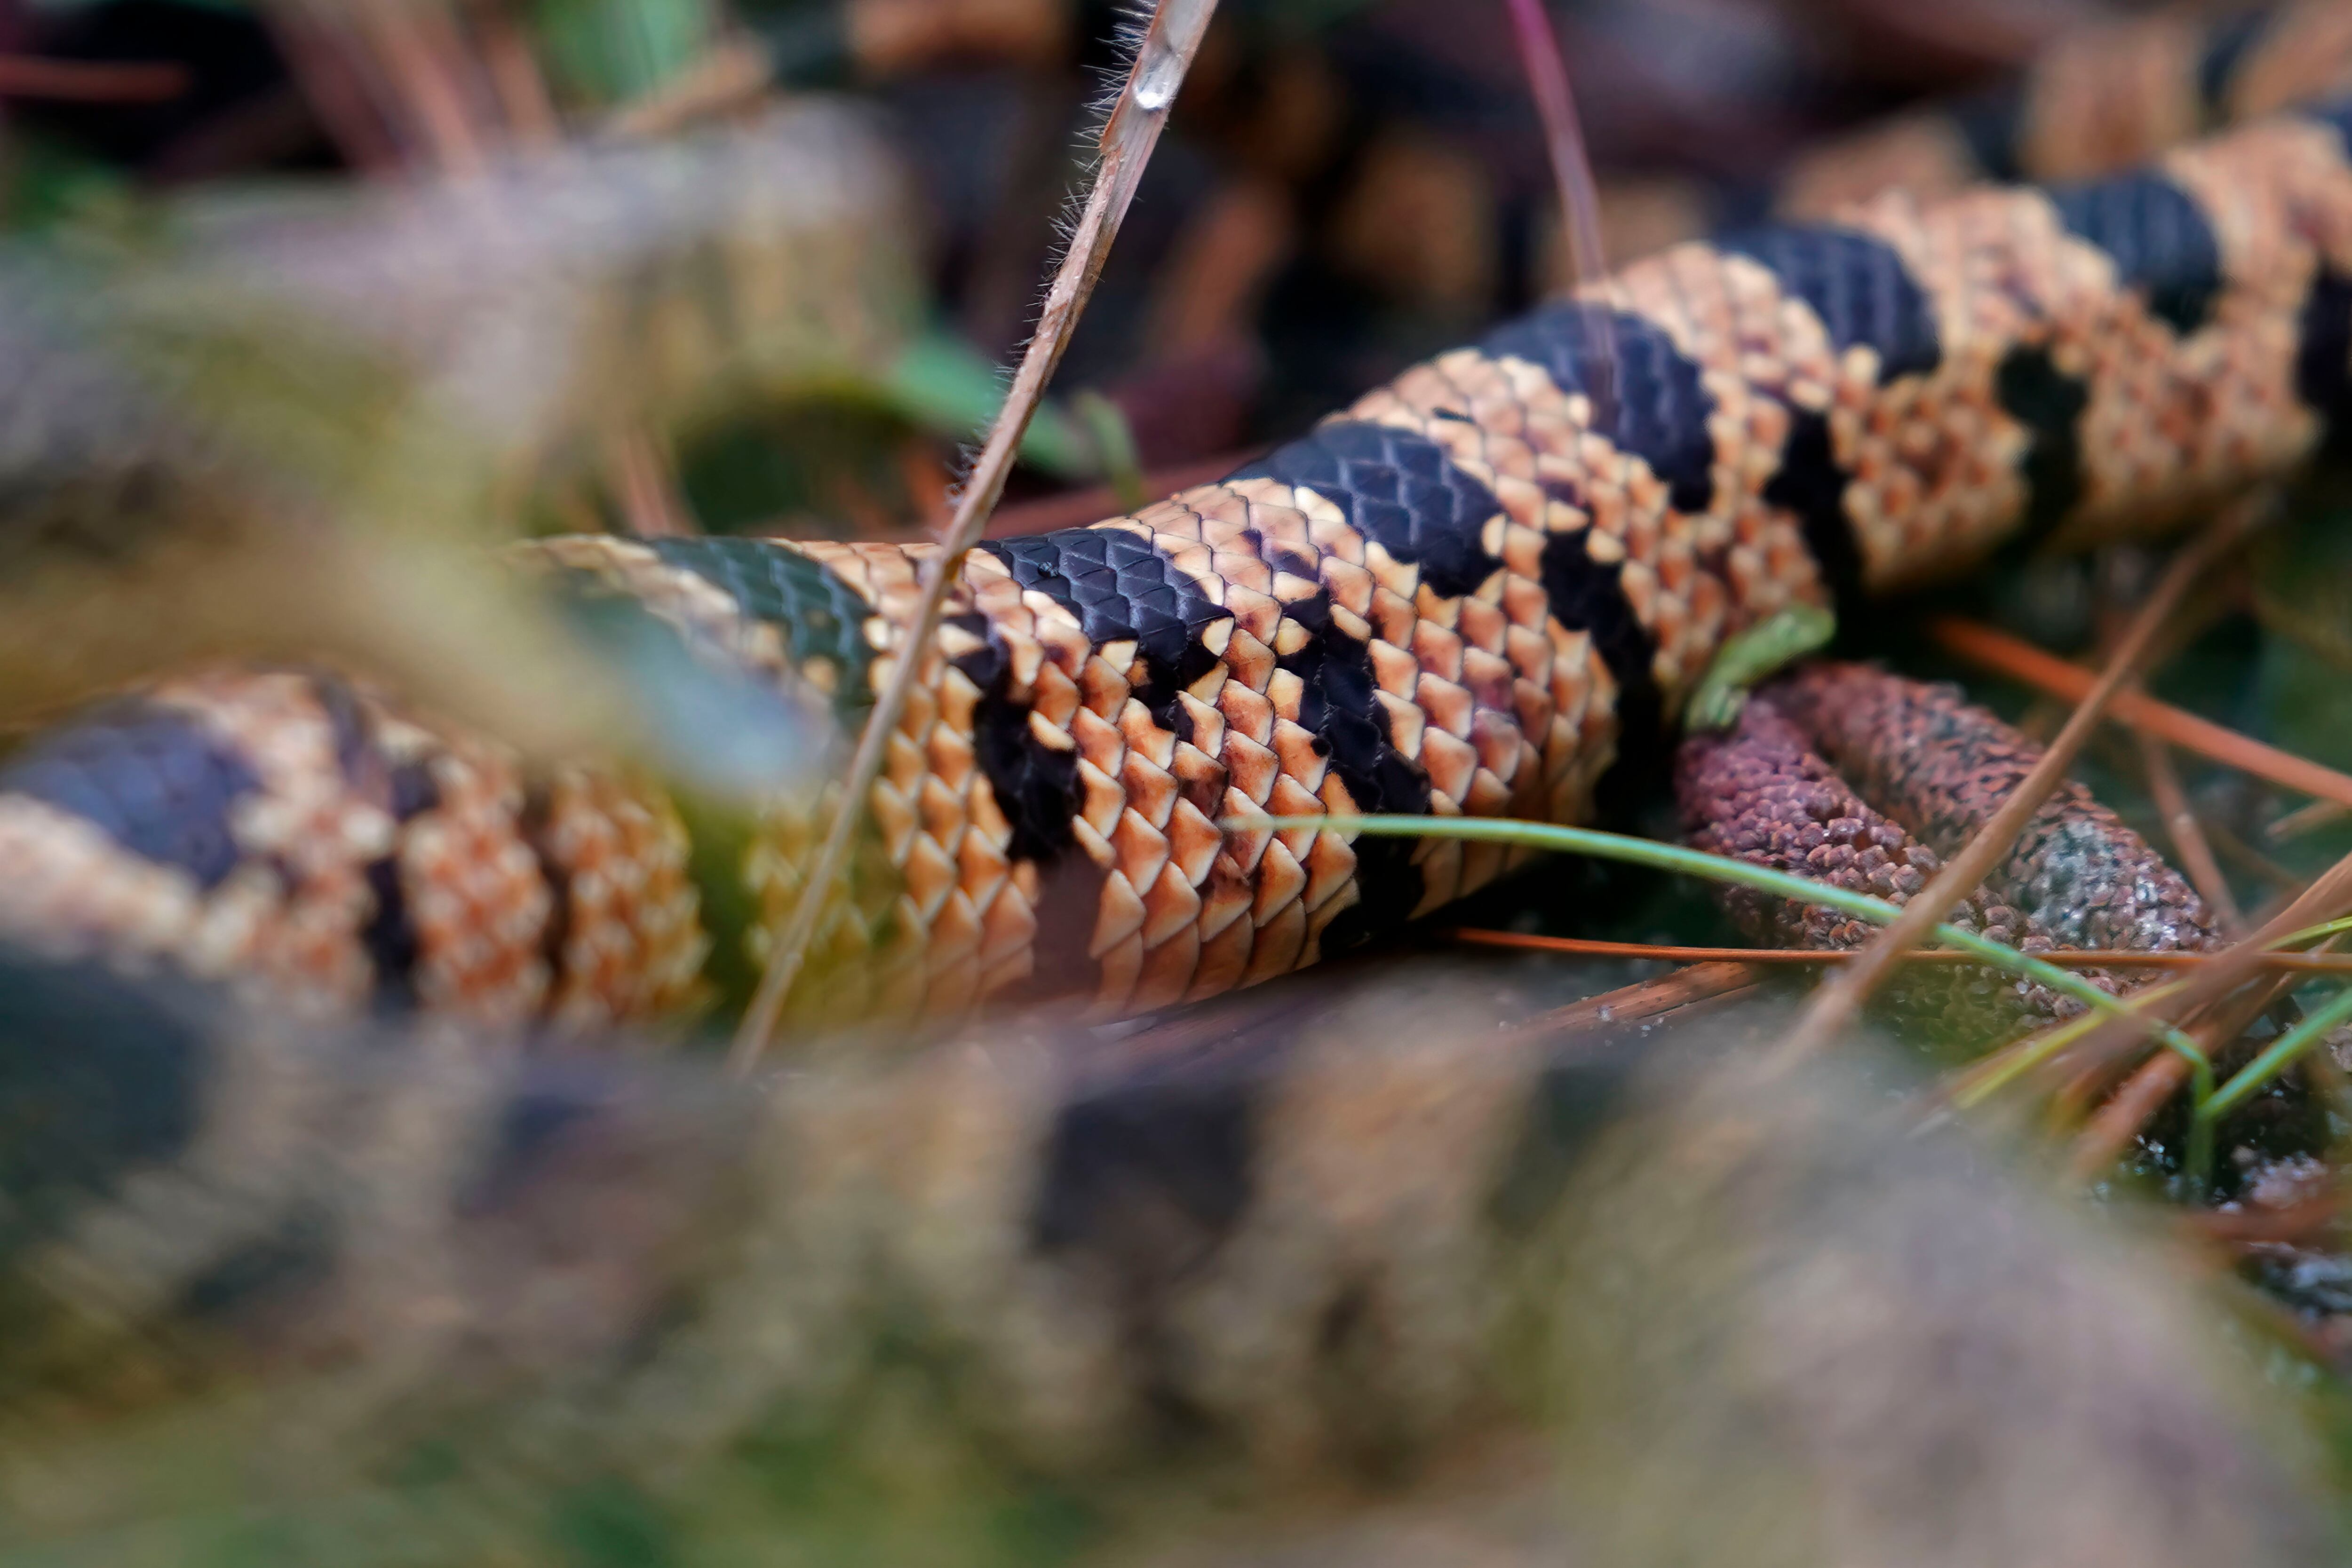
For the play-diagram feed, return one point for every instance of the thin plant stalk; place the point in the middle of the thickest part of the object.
(2128, 1109)
(1580, 197)
(1997, 1071)
(1985, 1079)
(2187, 835)
(2304, 819)
(2276, 1057)
(1803, 958)
(1133, 128)
(2003, 654)
(1688, 861)
(34, 76)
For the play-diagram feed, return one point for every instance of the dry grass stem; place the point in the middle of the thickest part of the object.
(1807, 957)
(2304, 819)
(1580, 197)
(644, 488)
(1700, 985)
(2252, 861)
(515, 76)
(2187, 836)
(90, 81)
(2117, 1123)
(2152, 1084)
(1162, 59)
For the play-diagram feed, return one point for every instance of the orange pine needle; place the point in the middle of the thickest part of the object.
(2065, 958)
(2020, 661)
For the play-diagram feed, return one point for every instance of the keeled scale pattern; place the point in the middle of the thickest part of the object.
(1474, 591)
(345, 855)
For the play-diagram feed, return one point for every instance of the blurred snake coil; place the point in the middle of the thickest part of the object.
(1480, 589)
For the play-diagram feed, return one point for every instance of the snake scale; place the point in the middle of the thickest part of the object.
(470, 1283)
(1479, 589)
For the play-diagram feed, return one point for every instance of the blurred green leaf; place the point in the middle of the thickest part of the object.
(609, 51)
(944, 384)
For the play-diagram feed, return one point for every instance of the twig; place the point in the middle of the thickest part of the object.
(1160, 61)
(2247, 858)
(2144, 1093)
(1840, 998)
(651, 506)
(2279, 1055)
(2262, 1227)
(515, 78)
(338, 85)
(1988, 1076)
(2117, 1122)
(1699, 985)
(427, 84)
(2064, 958)
(91, 81)
(2005, 656)
(2187, 835)
(2304, 819)
(1683, 860)
(1579, 199)
(1981, 1080)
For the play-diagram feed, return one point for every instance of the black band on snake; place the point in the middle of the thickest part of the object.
(1478, 590)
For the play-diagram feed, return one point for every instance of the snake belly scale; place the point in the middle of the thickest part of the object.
(1477, 590)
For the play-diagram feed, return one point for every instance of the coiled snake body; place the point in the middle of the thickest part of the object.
(1477, 590)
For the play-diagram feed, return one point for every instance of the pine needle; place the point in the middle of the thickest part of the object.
(2005, 656)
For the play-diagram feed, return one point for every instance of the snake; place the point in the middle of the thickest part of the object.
(2101, 98)
(1484, 589)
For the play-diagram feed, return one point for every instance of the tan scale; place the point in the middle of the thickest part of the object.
(1529, 678)
(472, 884)
(1175, 890)
(962, 925)
(1936, 483)
(632, 945)
(308, 818)
(1528, 432)
(1502, 708)
(1757, 358)
(74, 892)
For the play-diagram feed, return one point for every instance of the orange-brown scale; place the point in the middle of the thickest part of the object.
(2115, 94)
(380, 859)
(1419, 545)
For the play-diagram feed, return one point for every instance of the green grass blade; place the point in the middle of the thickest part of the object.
(2280, 1054)
(1688, 861)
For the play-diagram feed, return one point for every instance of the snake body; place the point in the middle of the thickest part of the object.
(1479, 589)
(2103, 97)
(438, 1293)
